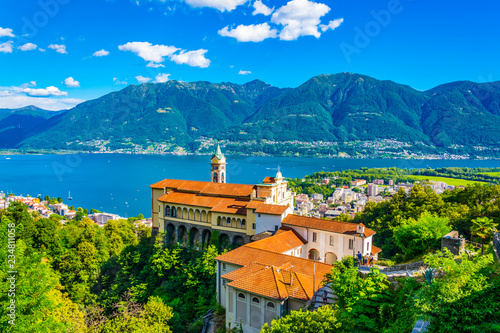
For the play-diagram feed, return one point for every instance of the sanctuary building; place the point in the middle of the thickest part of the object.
(280, 258)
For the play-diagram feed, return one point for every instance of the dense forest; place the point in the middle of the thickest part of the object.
(79, 277)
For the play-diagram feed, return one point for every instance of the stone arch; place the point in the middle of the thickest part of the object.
(238, 223)
(313, 254)
(197, 215)
(191, 214)
(170, 233)
(194, 237)
(182, 235)
(185, 213)
(224, 241)
(219, 221)
(233, 222)
(238, 241)
(330, 258)
(204, 217)
(179, 212)
(205, 238)
(167, 210)
(173, 211)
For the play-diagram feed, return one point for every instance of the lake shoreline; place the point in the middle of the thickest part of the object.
(358, 157)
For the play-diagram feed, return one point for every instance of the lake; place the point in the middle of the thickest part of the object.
(119, 184)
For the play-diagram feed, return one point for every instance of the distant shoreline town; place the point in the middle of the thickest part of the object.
(46, 208)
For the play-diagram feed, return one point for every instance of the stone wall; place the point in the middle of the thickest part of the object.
(405, 267)
(453, 243)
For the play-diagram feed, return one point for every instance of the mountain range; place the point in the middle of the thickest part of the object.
(335, 108)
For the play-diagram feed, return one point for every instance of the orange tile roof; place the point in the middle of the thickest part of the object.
(231, 206)
(375, 249)
(271, 209)
(237, 190)
(278, 282)
(222, 205)
(190, 199)
(245, 255)
(282, 241)
(269, 180)
(326, 225)
(254, 204)
(209, 188)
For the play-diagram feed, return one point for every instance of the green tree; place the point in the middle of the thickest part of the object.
(324, 320)
(483, 228)
(416, 237)
(458, 298)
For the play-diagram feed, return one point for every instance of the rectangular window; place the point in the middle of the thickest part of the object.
(276, 228)
(223, 266)
(351, 244)
(332, 241)
(315, 237)
(253, 226)
(368, 247)
(258, 215)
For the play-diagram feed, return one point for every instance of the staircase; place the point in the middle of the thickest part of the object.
(317, 299)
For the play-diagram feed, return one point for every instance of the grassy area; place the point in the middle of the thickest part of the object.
(494, 174)
(449, 181)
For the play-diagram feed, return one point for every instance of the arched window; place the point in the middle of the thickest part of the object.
(255, 300)
(228, 222)
(167, 210)
(270, 305)
(174, 212)
(241, 296)
(219, 221)
(243, 223)
(222, 177)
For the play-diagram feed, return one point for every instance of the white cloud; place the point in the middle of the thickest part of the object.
(332, 25)
(156, 54)
(142, 79)
(71, 83)
(161, 78)
(250, 33)
(60, 48)
(244, 72)
(154, 65)
(299, 18)
(41, 50)
(260, 8)
(192, 58)
(13, 101)
(6, 47)
(222, 5)
(49, 91)
(148, 51)
(6, 32)
(117, 81)
(19, 96)
(100, 53)
(27, 47)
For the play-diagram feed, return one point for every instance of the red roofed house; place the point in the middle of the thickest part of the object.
(264, 279)
(237, 211)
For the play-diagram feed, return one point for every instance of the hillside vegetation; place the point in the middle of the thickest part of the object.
(453, 118)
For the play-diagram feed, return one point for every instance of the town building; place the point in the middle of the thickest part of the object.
(372, 190)
(281, 258)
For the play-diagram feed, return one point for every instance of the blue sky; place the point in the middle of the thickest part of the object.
(57, 53)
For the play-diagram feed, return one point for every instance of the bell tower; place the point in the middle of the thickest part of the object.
(218, 167)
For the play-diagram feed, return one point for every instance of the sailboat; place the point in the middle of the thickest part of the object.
(69, 195)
